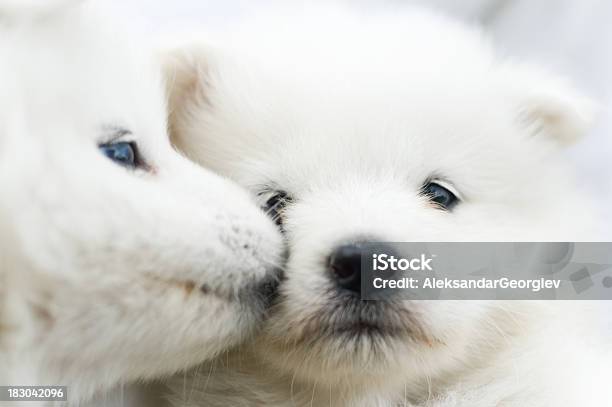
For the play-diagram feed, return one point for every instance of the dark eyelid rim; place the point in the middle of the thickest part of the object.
(445, 183)
(115, 134)
(268, 189)
(275, 192)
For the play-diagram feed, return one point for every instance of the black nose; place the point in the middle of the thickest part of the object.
(345, 267)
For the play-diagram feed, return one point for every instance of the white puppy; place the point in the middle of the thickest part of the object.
(388, 128)
(119, 258)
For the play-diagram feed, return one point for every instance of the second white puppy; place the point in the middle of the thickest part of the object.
(354, 128)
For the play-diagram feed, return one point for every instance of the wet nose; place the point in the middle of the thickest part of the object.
(344, 263)
(345, 267)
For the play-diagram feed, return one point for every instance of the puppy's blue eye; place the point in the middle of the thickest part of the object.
(123, 153)
(439, 195)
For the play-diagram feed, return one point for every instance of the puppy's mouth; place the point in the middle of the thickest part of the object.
(258, 294)
(355, 319)
(344, 332)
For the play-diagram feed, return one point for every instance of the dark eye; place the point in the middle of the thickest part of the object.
(123, 153)
(440, 195)
(275, 204)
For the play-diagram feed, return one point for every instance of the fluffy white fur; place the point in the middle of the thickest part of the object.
(109, 274)
(350, 115)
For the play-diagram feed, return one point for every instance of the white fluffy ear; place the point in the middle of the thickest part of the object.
(185, 70)
(549, 105)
